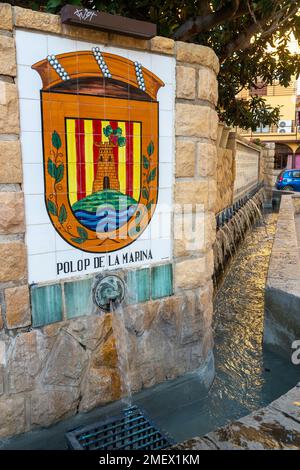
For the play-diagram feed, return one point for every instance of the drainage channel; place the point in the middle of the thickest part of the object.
(247, 376)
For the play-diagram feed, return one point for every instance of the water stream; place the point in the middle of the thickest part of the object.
(121, 340)
(247, 376)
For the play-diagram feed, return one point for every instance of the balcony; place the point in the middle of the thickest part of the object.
(286, 128)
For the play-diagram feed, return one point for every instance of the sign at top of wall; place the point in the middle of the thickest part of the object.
(107, 22)
(100, 147)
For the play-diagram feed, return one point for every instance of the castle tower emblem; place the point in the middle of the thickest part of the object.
(106, 176)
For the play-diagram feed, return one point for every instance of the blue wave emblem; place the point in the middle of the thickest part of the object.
(105, 211)
(105, 220)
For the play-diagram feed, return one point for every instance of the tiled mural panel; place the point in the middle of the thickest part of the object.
(97, 136)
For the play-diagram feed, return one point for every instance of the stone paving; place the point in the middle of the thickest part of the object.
(277, 426)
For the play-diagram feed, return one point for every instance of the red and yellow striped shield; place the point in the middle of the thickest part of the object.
(100, 138)
(83, 139)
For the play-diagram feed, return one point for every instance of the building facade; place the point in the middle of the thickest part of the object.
(286, 134)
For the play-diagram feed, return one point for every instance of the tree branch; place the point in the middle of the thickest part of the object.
(243, 41)
(204, 23)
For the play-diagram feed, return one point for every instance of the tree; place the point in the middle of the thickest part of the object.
(250, 38)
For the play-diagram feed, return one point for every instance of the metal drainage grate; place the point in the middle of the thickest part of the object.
(132, 430)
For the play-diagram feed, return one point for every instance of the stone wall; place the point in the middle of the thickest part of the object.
(225, 168)
(275, 427)
(65, 361)
(270, 174)
(282, 294)
(240, 166)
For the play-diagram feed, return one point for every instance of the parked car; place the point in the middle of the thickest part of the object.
(288, 180)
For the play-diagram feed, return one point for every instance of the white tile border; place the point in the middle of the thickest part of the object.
(45, 246)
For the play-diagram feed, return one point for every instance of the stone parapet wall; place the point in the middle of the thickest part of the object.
(225, 172)
(57, 361)
(240, 166)
(282, 294)
(274, 427)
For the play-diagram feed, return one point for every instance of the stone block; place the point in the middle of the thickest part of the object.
(193, 233)
(101, 385)
(191, 192)
(162, 45)
(14, 268)
(91, 330)
(196, 54)
(10, 161)
(27, 18)
(9, 108)
(17, 307)
(25, 361)
(46, 303)
(6, 16)
(192, 273)
(193, 120)
(185, 158)
(185, 82)
(288, 404)
(106, 354)
(196, 443)
(265, 429)
(66, 363)
(207, 85)
(7, 56)
(207, 159)
(12, 416)
(11, 212)
(49, 406)
(212, 194)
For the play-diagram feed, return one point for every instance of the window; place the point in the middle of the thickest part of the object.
(296, 174)
(280, 161)
(282, 153)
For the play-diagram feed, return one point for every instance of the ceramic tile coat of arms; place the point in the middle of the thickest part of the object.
(91, 129)
(100, 145)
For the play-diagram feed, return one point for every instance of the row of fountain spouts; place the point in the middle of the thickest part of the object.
(226, 214)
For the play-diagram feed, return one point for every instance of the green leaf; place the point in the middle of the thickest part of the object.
(78, 240)
(107, 131)
(121, 141)
(150, 148)
(51, 168)
(56, 141)
(145, 193)
(146, 162)
(149, 205)
(53, 4)
(59, 173)
(118, 131)
(82, 233)
(62, 214)
(52, 207)
(151, 175)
